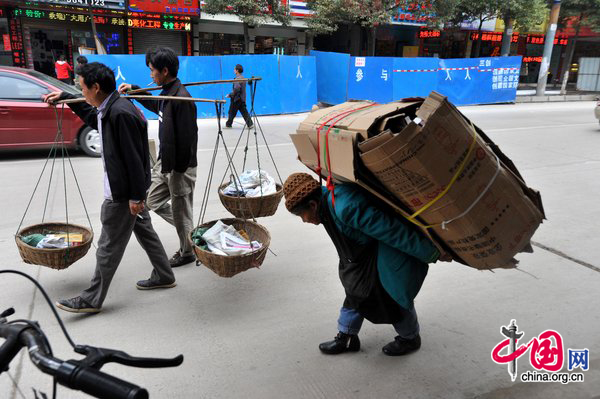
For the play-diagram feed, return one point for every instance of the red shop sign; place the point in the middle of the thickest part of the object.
(185, 7)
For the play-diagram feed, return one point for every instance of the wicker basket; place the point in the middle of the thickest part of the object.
(251, 207)
(55, 258)
(229, 266)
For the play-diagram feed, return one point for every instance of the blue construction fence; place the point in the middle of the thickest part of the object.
(293, 84)
(288, 85)
(464, 81)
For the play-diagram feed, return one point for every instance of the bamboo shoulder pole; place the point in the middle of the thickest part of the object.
(193, 99)
(202, 83)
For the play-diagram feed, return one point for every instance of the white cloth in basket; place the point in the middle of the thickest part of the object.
(222, 239)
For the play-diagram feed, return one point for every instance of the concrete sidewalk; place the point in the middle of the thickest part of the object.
(256, 335)
(529, 96)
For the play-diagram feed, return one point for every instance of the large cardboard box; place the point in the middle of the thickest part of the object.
(350, 123)
(487, 215)
(338, 151)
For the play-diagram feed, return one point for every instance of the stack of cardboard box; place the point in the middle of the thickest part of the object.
(433, 166)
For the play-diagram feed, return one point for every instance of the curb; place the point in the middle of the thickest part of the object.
(557, 98)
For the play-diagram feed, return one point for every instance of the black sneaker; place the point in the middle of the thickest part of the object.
(400, 346)
(251, 126)
(178, 260)
(228, 126)
(340, 344)
(76, 305)
(151, 285)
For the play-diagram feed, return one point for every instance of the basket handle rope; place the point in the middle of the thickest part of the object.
(231, 167)
(257, 128)
(59, 139)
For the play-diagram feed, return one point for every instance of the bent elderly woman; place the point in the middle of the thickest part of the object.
(383, 261)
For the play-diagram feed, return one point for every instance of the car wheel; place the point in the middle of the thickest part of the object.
(90, 142)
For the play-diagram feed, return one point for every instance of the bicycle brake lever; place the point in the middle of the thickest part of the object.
(98, 357)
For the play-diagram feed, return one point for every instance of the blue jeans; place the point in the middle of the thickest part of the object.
(350, 322)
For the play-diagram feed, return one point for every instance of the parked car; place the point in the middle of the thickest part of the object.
(27, 122)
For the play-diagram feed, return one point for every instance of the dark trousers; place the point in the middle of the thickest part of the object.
(236, 106)
(68, 81)
(117, 225)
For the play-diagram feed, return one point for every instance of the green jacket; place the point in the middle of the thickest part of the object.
(403, 252)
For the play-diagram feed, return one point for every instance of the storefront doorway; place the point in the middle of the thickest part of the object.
(46, 46)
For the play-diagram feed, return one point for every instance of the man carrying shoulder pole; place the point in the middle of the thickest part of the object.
(174, 174)
(125, 158)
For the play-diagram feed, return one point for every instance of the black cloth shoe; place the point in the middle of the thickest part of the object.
(400, 346)
(228, 126)
(251, 126)
(151, 285)
(76, 305)
(178, 260)
(340, 344)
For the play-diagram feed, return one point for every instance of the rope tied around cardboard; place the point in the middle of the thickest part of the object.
(459, 171)
(332, 122)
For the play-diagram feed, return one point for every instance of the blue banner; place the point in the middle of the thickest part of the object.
(414, 77)
(289, 83)
(479, 80)
(268, 99)
(371, 77)
(297, 83)
(465, 81)
(195, 69)
(332, 76)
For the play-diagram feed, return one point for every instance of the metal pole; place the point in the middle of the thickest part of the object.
(548, 44)
(507, 39)
(93, 27)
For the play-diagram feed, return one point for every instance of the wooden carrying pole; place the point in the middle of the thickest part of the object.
(206, 82)
(197, 100)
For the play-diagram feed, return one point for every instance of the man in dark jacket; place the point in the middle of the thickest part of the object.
(174, 174)
(383, 261)
(238, 99)
(126, 162)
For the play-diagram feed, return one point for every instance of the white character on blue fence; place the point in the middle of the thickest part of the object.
(359, 75)
(384, 74)
(120, 74)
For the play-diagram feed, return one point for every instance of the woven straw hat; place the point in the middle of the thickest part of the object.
(297, 187)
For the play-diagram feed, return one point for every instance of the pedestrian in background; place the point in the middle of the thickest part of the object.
(174, 174)
(238, 99)
(63, 70)
(126, 161)
(81, 60)
(383, 261)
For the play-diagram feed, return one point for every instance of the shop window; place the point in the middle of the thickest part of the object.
(20, 89)
(275, 45)
(220, 44)
(5, 46)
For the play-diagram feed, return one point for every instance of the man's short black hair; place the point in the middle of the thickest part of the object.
(82, 60)
(61, 57)
(239, 68)
(163, 57)
(95, 72)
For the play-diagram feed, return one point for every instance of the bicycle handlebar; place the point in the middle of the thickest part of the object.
(83, 375)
